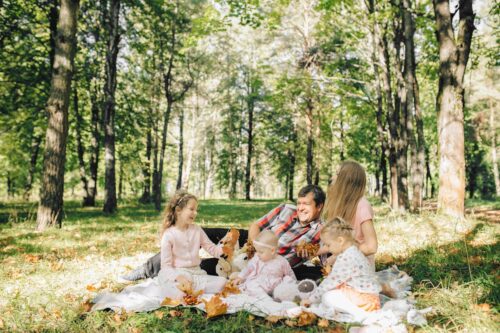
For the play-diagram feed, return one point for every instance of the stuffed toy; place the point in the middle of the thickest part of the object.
(293, 291)
(234, 258)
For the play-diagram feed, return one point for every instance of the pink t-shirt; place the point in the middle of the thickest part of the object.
(268, 274)
(180, 248)
(364, 212)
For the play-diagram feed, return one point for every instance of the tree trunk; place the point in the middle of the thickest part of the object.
(453, 58)
(146, 171)
(381, 128)
(400, 117)
(250, 107)
(413, 107)
(79, 144)
(35, 148)
(494, 160)
(181, 149)
(110, 204)
(291, 171)
(384, 65)
(95, 140)
(310, 143)
(50, 209)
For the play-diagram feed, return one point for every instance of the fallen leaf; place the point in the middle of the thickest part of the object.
(31, 258)
(291, 323)
(323, 323)
(175, 313)
(310, 248)
(2, 325)
(230, 288)
(215, 307)
(86, 306)
(250, 249)
(56, 266)
(191, 300)
(159, 314)
(337, 329)
(251, 318)
(57, 313)
(485, 307)
(91, 288)
(306, 318)
(273, 319)
(134, 330)
(170, 302)
(117, 318)
(325, 270)
(191, 296)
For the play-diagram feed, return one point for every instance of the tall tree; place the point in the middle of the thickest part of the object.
(454, 50)
(50, 209)
(113, 28)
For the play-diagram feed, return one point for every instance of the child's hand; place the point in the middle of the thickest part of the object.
(305, 302)
(237, 280)
(182, 279)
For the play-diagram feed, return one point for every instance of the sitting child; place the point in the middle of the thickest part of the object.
(351, 286)
(266, 269)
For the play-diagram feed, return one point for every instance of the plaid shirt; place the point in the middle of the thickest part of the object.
(283, 221)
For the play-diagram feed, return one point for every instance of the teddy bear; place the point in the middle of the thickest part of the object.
(234, 258)
(293, 291)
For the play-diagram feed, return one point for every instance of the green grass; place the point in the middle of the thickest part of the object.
(43, 276)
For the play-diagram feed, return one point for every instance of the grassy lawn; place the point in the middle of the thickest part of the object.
(45, 278)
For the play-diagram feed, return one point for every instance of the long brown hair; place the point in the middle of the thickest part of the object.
(176, 203)
(345, 192)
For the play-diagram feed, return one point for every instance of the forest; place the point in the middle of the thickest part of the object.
(107, 107)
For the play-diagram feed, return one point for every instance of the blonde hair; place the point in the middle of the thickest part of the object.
(344, 194)
(338, 227)
(267, 237)
(176, 203)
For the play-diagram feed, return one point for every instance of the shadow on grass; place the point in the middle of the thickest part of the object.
(460, 262)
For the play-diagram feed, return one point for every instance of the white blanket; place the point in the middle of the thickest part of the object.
(148, 296)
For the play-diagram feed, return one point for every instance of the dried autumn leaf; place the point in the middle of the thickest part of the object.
(134, 330)
(310, 248)
(230, 288)
(273, 319)
(31, 258)
(306, 318)
(323, 323)
(191, 300)
(2, 325)
(170, 302)
(159, 314)
(250, 249)
(57, 313)
(91, 288)
(56, 266)
(228, 251)
(215, 307)
(485, 307)
(337, 329)
(86, 306)
(291, 323)
(325, 270)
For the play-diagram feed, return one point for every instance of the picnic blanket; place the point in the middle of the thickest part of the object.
(149, 295)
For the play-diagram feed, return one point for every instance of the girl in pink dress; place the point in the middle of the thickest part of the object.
(266, 269)
(180, 244)
(181, 241)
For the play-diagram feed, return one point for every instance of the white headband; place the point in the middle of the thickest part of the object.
(263, 244)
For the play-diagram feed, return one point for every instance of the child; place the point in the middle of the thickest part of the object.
(181, 240)
(351, 286)
(266, 269)
(346, 200)
(180, 244)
